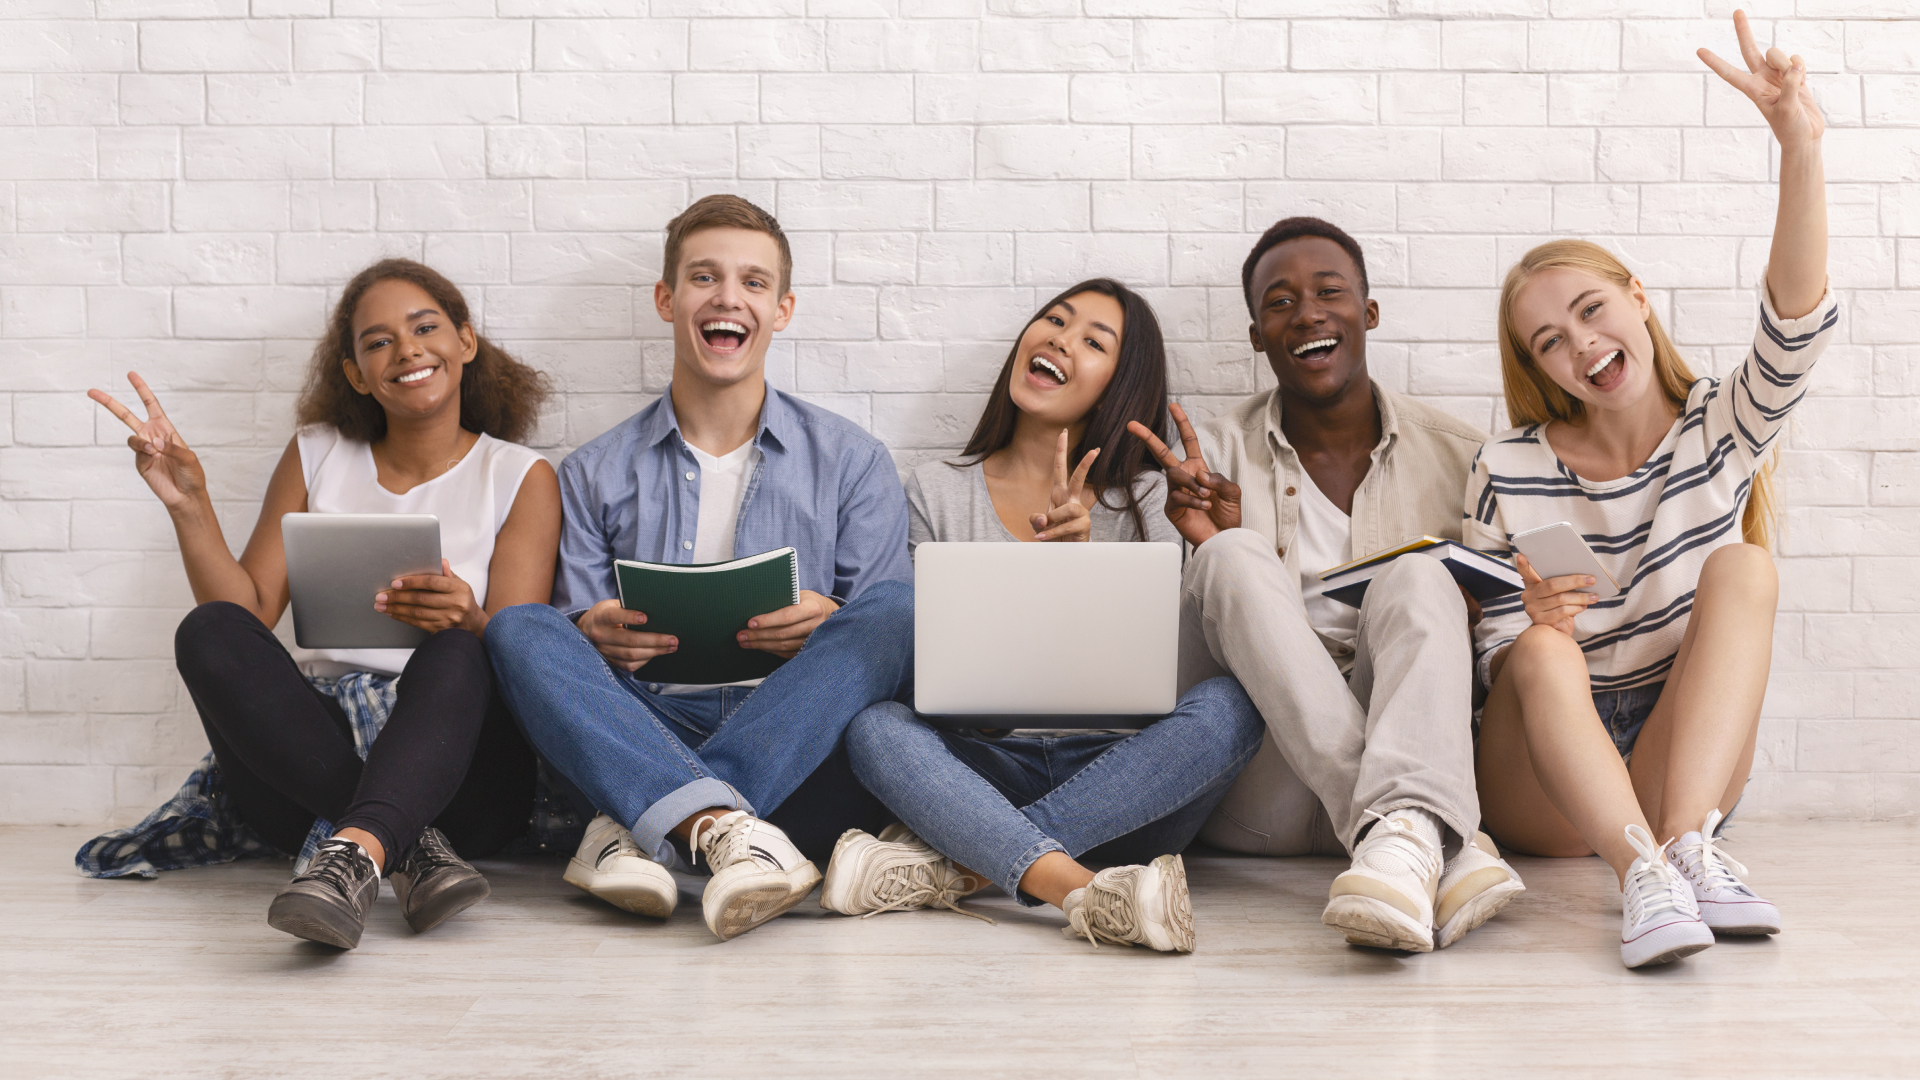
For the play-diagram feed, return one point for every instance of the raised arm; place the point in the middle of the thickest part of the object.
(257, 580)
(1777, 85)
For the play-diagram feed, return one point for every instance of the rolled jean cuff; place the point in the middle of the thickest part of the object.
(650, 832)
(1027, 858)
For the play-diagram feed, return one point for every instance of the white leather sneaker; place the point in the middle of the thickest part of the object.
(1385, 899)
(611, 866)
(1658, 919)
(1474, 885)
(757, 872)
(1135, 905)
(868, 875)
(1727, 904)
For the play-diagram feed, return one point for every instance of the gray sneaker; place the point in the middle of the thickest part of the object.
(433, 884)
(329, 903)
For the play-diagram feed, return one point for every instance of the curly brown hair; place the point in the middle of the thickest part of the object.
(499, 396)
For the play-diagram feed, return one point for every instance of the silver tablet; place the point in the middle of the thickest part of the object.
(337, 562)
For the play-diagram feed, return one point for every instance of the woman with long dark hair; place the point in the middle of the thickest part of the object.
(407, 410)
(1051, 460)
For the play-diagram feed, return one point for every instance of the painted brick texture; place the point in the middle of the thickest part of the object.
(184, 186)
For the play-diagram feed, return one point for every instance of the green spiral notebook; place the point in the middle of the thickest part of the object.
(705, 605)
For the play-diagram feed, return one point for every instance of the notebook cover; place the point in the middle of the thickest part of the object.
(1479, 582)
(705, 605)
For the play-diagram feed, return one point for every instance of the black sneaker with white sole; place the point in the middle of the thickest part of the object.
(329, 903)
(433, 884)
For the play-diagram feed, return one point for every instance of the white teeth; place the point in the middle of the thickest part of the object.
(415, 376)
(1601, 363)
(723, 324)
(1049, 367)
(1323, 343)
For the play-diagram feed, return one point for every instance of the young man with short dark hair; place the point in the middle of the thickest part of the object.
(720, 466)
(1369, 711)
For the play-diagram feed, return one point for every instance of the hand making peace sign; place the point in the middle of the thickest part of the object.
(171, 469)
(1066, 517)
(1200, 503)
(1776, 82)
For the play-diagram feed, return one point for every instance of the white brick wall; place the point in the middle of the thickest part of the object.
(184, 184)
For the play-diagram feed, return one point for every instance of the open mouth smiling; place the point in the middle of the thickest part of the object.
(1316, 349)
(1047, 368)
(723, 335)
(1608, 369)
(415, 376)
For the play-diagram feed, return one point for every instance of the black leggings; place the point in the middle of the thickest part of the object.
(450, 754)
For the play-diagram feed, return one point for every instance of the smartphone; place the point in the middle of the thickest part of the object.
(1557, 550)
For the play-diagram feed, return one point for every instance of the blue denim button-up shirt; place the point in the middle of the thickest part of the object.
(822, 486)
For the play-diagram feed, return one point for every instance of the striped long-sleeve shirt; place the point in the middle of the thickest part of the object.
(1653, 529)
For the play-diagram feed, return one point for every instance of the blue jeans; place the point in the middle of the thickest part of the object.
(1625, 712)
(649, 760)
(997, 805)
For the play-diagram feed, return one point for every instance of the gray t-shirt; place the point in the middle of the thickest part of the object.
(945, 503)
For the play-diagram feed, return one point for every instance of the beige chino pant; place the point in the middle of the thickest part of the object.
(1394, 732)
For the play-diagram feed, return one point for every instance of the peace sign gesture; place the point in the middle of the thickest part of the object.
(1200, 503)
(1776, 82)
(165, 463)
(1066, 517)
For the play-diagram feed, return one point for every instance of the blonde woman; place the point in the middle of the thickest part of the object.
(1626, 726)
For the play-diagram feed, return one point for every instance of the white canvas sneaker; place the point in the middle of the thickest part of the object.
(757, 872)
(1658, 919)
(1727, 904)
(1385, 899)
(611, 866)
(868, 875)
(1474, 885)
(1135, 905)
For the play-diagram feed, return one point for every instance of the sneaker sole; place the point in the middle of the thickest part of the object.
(1479, 909)
(1740, 923)
(1665, 944)
(1367, 921)
(756, 904)
(447, 903)
(1177, 902)
(636, 898)
(321, 923)
(837, 874)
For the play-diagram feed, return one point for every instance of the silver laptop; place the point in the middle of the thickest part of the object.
(1085, 635)
(337, 562)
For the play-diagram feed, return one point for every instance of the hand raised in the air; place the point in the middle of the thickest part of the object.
(1777, 85)
(1066, 517)
(1201, 503)
(171, 469)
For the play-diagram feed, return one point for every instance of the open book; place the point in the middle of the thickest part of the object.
(1482, 575)
(705, 605)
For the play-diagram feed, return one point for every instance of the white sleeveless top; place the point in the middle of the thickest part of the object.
(472, 500)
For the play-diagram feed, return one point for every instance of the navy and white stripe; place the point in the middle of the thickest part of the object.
(1654, 528)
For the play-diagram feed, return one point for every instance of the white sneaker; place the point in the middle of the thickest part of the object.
(611, 866)
(1474, 886)
(1727, 905)
(1658, 919)
(1385, 899)
(1135, 905)
(868, 875)
(757, 872)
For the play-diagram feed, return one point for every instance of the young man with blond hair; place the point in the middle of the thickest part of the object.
(720, 466)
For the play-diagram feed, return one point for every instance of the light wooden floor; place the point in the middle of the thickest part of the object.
(182, 977)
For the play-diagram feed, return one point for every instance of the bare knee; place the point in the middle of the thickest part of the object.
(1744, 570)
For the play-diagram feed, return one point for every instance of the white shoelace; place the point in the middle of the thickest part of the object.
(915, 885)
(1400, 841)
(725, 843)
(1715, 868)
(1653, 885)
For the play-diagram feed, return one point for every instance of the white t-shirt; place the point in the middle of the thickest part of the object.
(472, 501)
(723, 484)
(1325, 540)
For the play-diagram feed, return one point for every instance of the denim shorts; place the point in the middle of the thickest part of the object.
(1625, 712)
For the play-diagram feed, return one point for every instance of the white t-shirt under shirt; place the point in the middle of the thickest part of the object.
(723, 485)
(472, 500)
(1325, 540)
